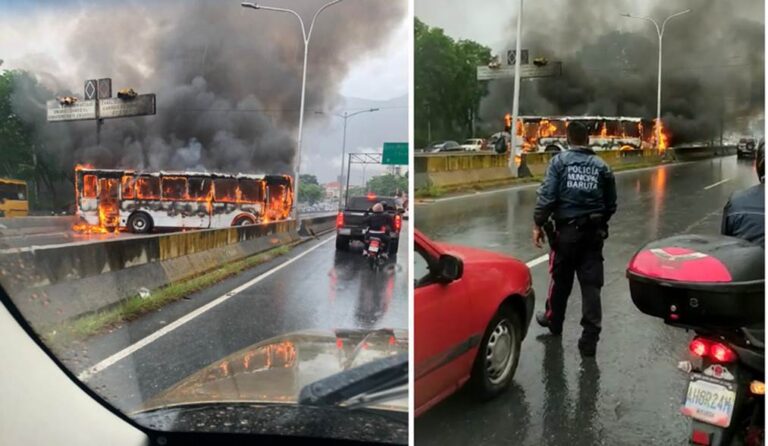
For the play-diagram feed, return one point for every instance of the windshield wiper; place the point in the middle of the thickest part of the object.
(381, 380)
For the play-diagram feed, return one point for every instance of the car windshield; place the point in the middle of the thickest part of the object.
(196, 268)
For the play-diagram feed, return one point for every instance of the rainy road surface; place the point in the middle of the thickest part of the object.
(631, 393)
(316, 288)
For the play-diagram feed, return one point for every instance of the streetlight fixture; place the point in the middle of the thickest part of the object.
(660, 33)
(345, 116)
(307, 35)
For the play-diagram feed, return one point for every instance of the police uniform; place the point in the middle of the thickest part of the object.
(744, 215)
(575, 202)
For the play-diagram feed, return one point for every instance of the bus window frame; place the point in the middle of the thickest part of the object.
(185, 194)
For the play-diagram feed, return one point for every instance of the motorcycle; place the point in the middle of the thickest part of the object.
(376, 249)
(713, 286)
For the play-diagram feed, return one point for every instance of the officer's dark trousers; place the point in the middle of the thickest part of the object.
(579, 253)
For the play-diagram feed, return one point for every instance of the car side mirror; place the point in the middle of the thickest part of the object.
(449, 268)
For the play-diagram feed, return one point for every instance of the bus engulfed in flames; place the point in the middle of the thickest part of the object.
(111, 200)
(548, 133)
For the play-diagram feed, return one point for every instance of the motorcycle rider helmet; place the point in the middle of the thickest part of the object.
(760, 161)
(378, 208)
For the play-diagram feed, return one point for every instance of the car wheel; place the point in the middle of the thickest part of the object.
(342, 243)
(498, 354)
(140, 223)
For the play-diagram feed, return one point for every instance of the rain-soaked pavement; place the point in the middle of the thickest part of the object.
(324, 289)
(631, 393)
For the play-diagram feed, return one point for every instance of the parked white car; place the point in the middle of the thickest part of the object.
(473, 145)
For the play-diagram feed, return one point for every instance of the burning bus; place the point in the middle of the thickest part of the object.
(109, 200)
(547, 133)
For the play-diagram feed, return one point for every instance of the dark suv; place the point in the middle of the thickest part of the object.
(746, 148)
(349, 222)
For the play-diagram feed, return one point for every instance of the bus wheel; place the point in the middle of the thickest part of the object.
(243, 221)
(140, 223)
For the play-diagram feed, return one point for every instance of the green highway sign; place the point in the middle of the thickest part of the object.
(395, 153)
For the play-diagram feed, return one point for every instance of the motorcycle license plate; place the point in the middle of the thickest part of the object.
(374, 246)
(709, 400)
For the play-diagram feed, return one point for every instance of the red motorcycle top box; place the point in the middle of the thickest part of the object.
(698, 280)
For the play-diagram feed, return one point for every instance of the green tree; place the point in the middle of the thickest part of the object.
(23, 152)
(308, 179)
(310, 193)
(446, 90)
(388, 185)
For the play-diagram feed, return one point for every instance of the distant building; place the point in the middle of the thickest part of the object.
(332, 190)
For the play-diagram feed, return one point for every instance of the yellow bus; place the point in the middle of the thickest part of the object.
(13, 198)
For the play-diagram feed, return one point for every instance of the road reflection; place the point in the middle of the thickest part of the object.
(565, 423)
(375, 289)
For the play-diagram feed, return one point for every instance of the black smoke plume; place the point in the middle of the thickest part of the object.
(713, 64)
(227, 80)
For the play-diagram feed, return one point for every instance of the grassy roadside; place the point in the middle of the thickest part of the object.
(129, 309)
(438, 192)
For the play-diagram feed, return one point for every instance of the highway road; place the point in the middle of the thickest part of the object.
(631, 393)
(312, 287)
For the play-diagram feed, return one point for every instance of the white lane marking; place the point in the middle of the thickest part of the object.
(538, 261)
(717, 184)
(88, 373)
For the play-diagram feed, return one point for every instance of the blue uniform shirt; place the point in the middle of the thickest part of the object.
(577, 183)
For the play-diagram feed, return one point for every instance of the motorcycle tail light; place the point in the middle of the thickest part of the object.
(721, 353)
(757, 388)
(398, 223)
(715, 351)
(340, 219)
(699, 347)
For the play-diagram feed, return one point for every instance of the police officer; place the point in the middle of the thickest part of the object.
(575, 202)
(744, 214)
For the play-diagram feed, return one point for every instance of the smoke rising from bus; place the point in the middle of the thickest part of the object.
(227, 80)
(713, 65)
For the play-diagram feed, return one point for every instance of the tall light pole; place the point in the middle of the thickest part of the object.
(660, 33)
(516, 94)
(306, 34)
(346, 116)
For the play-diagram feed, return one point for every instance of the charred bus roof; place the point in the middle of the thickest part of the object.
(181, 173)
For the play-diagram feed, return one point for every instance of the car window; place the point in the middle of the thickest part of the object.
(422, 269)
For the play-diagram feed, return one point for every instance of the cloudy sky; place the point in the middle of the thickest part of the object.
(45, 37)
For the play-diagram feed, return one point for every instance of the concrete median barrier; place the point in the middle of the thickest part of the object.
(317, 225)
(448, 171)
(53, 284)
(478, 169)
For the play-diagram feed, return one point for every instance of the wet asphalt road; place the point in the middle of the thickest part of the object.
(321, 290)
(632, 392)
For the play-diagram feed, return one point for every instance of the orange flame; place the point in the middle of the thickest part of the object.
(604, 131)
(663, 142)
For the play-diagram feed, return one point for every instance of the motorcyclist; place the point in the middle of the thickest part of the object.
(378, 220)
(744, 213)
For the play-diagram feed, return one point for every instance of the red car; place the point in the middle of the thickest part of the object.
(472, 310)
